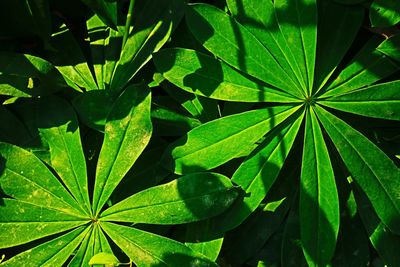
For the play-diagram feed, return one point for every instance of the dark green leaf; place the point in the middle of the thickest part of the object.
(391, 47)
(106, 10)
(384, 13)
(25, 76)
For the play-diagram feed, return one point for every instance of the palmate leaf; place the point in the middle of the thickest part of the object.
(146, 249)
(297, 21)
(187, 199)
(319, 203)
(189, 70)
(42, 206)
(246, 41)
(214, 143)
(259, 170)
(154, 25)
(367, 67)
(259, 17)
(51, 253)
(58, 125)
(377, 101)
(235, 45)
(376, 174)
(127, 133)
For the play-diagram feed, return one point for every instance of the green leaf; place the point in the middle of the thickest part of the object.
(105, 48)
(319, 203)
(105, 259)
(58, 125)
(206, 76)
(235, 45)
(258, 172)
(378, 101)
(259, 17)
(24, 75)
(190, 198)
(86, 249)
(51, 253)
(338, 26)
(367, 67)
(199, 238)
(391, 47)
(150, 32)
(68, 58)
(26, 178)
(383, 240)
(216, 142)
(127, 133)
(146, 249)
(384, 13)
(106, 10)
(21, 222)
(297, 21)
(370, 167)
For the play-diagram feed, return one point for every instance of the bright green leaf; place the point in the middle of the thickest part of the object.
(376, 174)
(319, 203)
(221, 140)
(191, 198)
(206, 76)
(127, 133)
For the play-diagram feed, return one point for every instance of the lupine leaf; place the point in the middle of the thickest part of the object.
(221, 140)
(367, 67)
(319, 203)
(127, 133)
(58, 124)
(206, 76)
(150, 32)
(384, 13)
(258, 172)
(21, 222)
(377, 101)
(235, 45)
(297, 21)
(51, 253)
(26, 178)
(146, 249)
(106, 10)
(337, 29)
(259, 17)
(191, 198)
(370, 167)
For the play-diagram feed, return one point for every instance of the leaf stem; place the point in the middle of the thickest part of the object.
(128, 22)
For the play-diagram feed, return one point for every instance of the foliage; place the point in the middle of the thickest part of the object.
(167, 133)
